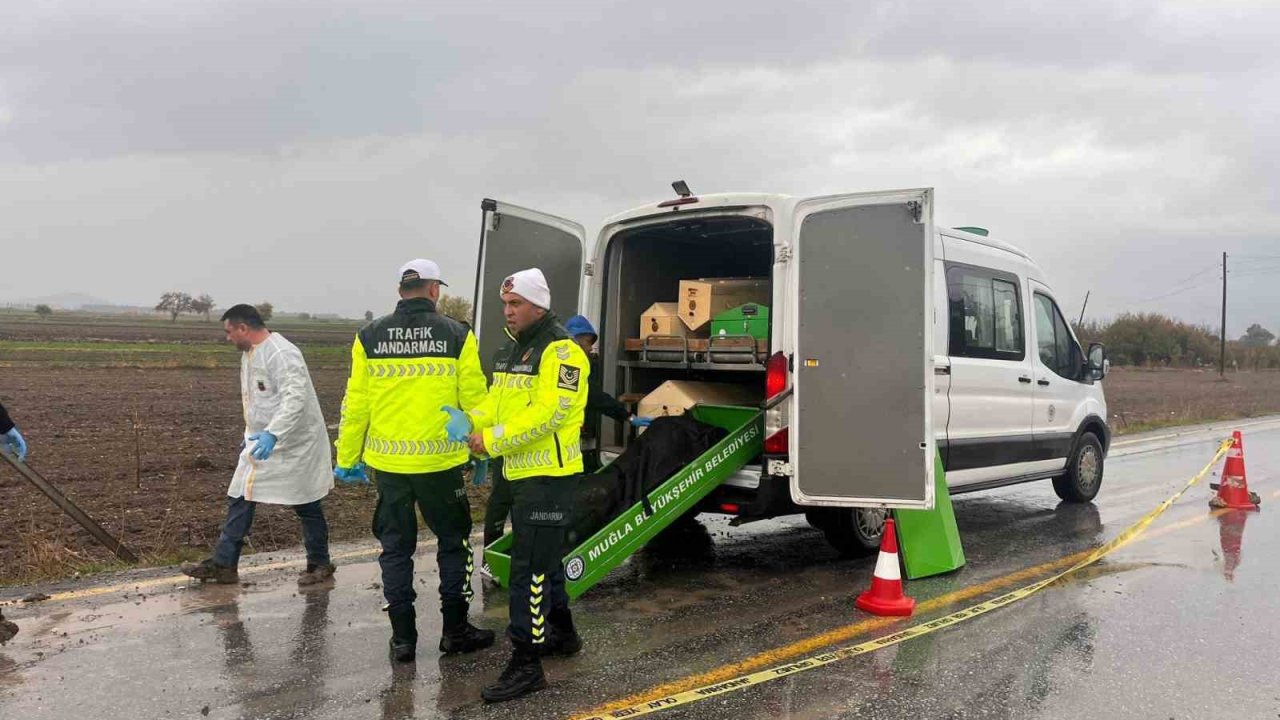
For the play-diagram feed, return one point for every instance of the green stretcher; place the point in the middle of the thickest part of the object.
(591, 561)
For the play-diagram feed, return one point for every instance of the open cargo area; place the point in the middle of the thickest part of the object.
(676, 265)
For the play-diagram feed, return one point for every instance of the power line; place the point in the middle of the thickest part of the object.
(1193, 276)
(1179, 291)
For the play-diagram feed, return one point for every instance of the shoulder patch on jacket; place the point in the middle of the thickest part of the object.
(569, 378)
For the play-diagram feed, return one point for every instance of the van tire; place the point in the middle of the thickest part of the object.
(854, 532)
(1083, 478)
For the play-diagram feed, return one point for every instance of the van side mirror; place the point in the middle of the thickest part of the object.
(1097, 365)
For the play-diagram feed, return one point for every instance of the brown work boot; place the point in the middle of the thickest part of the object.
(7, 629)
(315, 574)
(210, 571)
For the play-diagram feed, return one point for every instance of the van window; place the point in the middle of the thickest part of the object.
(1058, 350)
(986, 314)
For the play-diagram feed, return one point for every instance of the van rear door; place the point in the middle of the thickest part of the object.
(860, 289)
(516, 238)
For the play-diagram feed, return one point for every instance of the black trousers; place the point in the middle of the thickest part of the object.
(499, 506)
(542, 510)
(442, 499)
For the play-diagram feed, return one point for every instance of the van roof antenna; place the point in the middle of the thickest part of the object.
(682, 188)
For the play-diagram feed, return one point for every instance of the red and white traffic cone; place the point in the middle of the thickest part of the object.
(885, 596)
(1233, 489)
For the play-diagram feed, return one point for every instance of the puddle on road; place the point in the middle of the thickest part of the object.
(1231, 540)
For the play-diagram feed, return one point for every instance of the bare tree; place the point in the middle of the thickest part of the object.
(265, 309)
(203, 305)
(174, 303)
(455, 307)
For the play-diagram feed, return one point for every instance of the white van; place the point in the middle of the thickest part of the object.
(889, 338)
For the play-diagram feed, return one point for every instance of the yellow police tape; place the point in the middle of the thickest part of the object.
(844, 653)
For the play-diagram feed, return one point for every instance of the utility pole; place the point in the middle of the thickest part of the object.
(1222, 347)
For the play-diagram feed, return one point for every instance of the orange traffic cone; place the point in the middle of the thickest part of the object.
(1233, 489)
(885, 596)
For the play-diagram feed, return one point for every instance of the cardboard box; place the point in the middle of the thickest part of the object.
(749, 319)
(662, 318)
(674, 397)
(701, 300)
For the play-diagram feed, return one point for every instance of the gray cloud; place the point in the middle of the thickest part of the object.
(300, 151)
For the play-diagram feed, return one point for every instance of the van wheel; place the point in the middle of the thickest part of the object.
(854, 532)
(1084, 472)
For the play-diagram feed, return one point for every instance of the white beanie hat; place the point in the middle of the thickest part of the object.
(531, 285)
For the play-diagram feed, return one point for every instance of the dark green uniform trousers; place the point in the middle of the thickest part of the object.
(499, 506)
(542, 510)
(442, 499)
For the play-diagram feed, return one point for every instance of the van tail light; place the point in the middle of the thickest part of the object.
(775, 383)
(775, 377)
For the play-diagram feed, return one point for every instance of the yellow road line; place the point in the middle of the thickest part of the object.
(799, 648)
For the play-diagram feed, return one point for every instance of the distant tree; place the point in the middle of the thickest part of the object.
(368, 315)
(455, 307)
(44, 310)
(265, 310)
(203, 305)
(174, 303)
(304, 316)
(1257, 336)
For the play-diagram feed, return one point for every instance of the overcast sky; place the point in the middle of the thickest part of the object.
(299, 151)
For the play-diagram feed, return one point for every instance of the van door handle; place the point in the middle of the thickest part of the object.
(1043, 383)
(941, 370)
(1024, 379)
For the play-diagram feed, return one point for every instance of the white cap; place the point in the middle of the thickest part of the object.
(531, 285)
(420, 269)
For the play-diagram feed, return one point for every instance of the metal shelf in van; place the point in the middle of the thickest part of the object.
(725, 352)
(657, 365)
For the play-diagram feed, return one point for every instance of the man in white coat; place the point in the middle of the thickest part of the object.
(285, 456)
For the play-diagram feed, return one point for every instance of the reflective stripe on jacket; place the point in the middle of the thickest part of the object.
(532, 417)
(404, 367)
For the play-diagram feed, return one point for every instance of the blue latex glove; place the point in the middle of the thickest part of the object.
(16, 444)
(353, 475)
(480, 473)
(459, 426)
(264, 443)
(640, 421)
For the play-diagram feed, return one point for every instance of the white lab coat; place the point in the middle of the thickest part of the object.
(279, 398)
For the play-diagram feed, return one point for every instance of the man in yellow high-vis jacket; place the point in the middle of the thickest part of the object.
(404, 367)
(532, 418)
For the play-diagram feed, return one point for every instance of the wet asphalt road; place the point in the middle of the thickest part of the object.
(1180, 624)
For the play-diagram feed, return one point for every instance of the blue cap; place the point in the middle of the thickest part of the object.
(579, 325)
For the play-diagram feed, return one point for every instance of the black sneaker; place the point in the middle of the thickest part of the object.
(316, 574)
(210, 571)
(522, 676)
(465, 639)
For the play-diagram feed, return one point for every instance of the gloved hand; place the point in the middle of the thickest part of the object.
(480, 472)
(459, 426)
(355, 475)
(16, 444)
(264, 443)
(640, 421)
